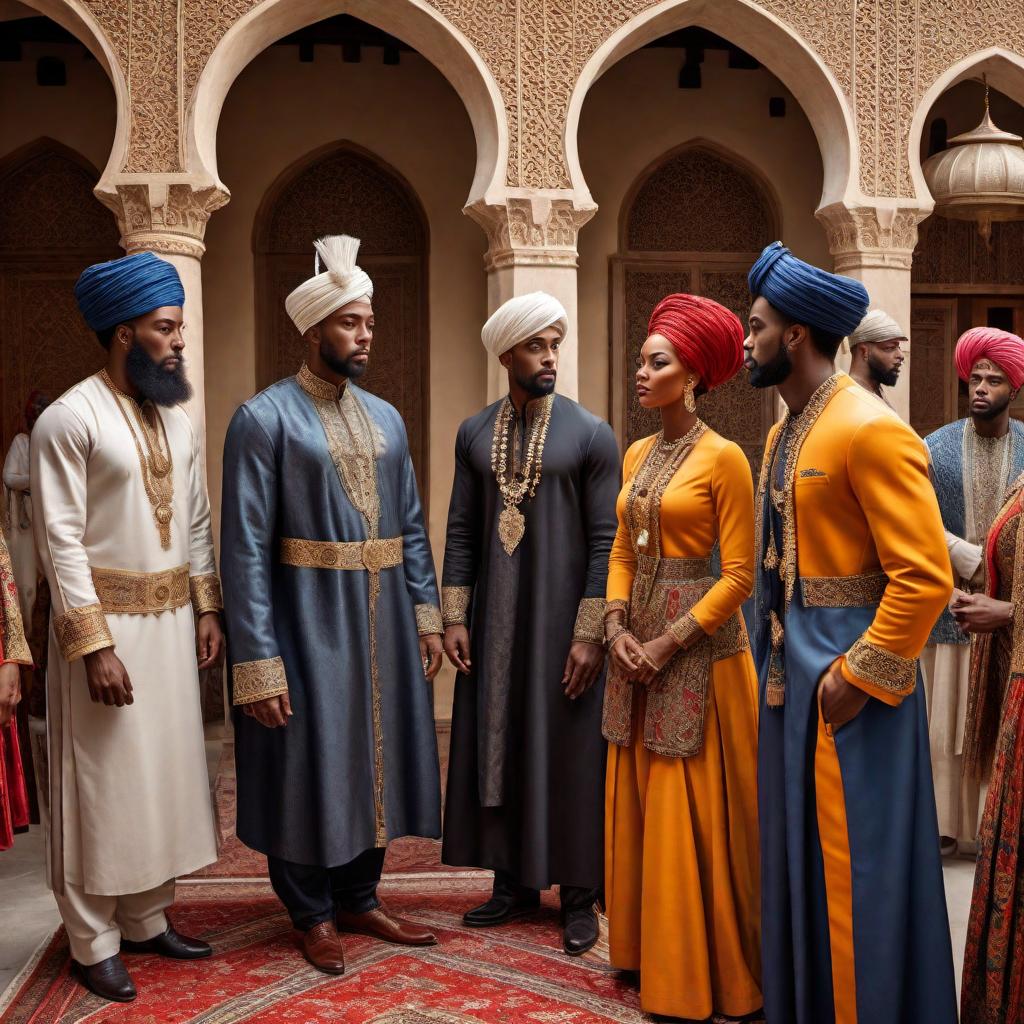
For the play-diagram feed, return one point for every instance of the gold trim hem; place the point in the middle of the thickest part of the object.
(860, 591)
(881, 668)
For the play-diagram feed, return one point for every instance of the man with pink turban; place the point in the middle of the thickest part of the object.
(974, 460)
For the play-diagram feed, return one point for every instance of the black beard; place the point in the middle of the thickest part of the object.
(992, 411)
(344, 367)
(153, 382)
(533, 387)
(771, 374)
(888, 378)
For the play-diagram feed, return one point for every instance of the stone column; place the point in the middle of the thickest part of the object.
(875, 244)
(169, 218)
(532, 247)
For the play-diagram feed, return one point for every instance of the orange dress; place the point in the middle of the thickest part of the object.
(681, 836)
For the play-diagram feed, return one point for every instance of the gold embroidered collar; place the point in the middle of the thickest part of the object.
(317, 386)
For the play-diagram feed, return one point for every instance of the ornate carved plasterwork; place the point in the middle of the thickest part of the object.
(531, 230)
(865, 236)
(164, 218)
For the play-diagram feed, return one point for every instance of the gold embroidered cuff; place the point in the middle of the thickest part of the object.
(686, 630)
(80, 631)
(589, 626)
(258, 680)
(428, 619)
(618, 605)
(455, 604)
(206, 593)
(880, 668)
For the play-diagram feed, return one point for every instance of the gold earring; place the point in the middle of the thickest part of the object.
(688, 400)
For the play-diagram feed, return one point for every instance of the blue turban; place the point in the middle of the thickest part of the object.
(113, 293)
(806, 294)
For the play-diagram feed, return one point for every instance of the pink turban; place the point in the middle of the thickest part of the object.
(1004, 349)
(707, 336)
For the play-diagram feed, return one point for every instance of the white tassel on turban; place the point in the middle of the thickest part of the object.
(876, 326)
(522, 318)
(341, 283)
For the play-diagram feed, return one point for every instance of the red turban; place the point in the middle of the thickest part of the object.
(1004, 349)
(707, 336)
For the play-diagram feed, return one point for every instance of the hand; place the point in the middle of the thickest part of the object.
(430, 655)
(979, 613)
(209, 640)
(456, 646)
(10, 691)
(272, 712)
(841, 701)
(582, 667)
(626, 655)
(658, 652)
(108, 679)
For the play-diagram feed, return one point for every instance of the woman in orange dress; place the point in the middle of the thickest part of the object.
(680, 714)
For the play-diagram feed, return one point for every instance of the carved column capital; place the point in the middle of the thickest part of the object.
(163, 217)
(526, 229)
(879, 237)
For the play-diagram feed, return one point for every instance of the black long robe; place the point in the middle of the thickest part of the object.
(526, 773)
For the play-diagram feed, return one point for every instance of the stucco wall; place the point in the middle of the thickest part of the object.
(633, 115)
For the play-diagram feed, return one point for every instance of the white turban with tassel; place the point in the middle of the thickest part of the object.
(522, 318)
(876, 326)
(341, 283)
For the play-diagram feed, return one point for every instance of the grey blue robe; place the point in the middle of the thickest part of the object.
(526, 775)
(306, 792)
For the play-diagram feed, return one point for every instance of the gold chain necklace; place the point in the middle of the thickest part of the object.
(157, 467)
(515, 484)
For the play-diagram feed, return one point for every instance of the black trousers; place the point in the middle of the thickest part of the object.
(573, 897)
(313, 894)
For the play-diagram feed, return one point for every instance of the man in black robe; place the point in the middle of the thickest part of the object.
(530, 528)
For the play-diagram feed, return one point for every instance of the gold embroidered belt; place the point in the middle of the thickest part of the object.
(676, 699)
(860, 591)
(371, 555)
(122, 592)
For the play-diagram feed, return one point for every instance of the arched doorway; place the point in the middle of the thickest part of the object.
(694, 222)
(51, 228)
(347, 190)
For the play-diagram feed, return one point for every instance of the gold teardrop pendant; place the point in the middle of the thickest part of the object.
(511, 527)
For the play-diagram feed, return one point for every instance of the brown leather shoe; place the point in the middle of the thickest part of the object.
(322, 947)
(382, 925)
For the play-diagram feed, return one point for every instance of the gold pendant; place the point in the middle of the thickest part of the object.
(511, 527)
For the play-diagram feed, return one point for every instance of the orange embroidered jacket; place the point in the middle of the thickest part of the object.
(863, 506)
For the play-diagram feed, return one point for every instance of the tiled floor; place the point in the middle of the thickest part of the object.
(28, 914)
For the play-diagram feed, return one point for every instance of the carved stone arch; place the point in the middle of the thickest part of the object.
(704, 246)
(337, 189)
(51, 228)
(226, 42)
(777, 45)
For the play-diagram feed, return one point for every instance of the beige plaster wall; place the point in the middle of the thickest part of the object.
(81, 114)
(633, 115)
(277, 111)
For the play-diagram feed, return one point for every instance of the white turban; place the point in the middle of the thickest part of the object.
(522, 318)
(341, 283)
(876, 326)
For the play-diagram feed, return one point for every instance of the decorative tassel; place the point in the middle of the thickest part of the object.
(338, 253)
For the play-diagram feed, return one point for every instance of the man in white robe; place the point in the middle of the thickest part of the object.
(123, 529)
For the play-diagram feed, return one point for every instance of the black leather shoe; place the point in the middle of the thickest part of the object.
(499, 910)
(109, 979)
(580, 930)
(170, 944)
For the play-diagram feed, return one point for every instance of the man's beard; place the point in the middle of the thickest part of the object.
(535, 388)
(770, 375)
(344, 367)
(992, 411)
(153, 382)
(882, 376)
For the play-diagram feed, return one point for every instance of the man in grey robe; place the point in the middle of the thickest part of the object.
(530, 528)
(333, 622)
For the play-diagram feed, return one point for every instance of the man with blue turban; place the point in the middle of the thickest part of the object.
(852, 574)
(122, 527)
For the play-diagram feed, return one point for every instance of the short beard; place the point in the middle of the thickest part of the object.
(887, 378)
(153, 382)
(344, 367)
(771, 374)
(533, 387)
(993, 410)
